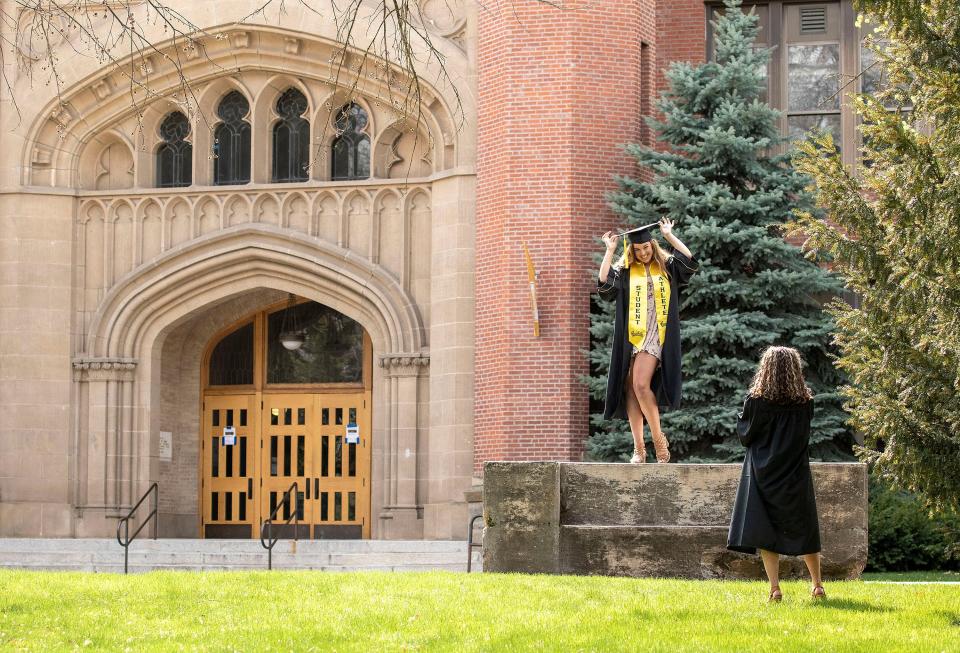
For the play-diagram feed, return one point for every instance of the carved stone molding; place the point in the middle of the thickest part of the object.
(104, 369)
(404, 364)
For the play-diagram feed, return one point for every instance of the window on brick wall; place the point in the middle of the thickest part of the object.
(813, 68)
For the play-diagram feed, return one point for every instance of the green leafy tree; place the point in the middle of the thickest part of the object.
(895, 237)
(718, 175)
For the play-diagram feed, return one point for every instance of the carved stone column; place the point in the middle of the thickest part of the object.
(402, 513)
(104, 433)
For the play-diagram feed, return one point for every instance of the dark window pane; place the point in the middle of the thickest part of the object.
(228, 453)
(338, 457)
(175, 155)
(228, 506)
(243, 417)
(325, 455)
(301, 416)
(352, 464)
(286, 455)
(231, 141)
(339, 414)
(215, 457)
(229, 417)
(274, 417)
(214, 506)
(242, 506)
(351, 148)
(291, 138)
(216, 418)
(800, 127)
(337, 508)
(273, 455)
(243, 456)
(287, 416)
(301, 457)
(332, 349)
(324, 510)
(231, 362)
(325, 416)
(813, 77)
(300, 505)
(351, 506)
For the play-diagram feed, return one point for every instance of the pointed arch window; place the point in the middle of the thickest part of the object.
(175, 155)
(351, 148)
(291, 138)
(231, 144)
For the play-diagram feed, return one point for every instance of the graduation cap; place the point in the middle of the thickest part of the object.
(639, 235)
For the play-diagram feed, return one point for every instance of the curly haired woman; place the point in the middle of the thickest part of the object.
(776, 510)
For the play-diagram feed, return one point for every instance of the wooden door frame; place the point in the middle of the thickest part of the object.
(260, 387)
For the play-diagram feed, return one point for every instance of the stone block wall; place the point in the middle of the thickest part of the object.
(651, 520)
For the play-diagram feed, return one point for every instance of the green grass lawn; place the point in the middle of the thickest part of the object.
(304, 611)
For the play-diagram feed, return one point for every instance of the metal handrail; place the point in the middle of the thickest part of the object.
(269, 524)
(125, 523)
(471, 545)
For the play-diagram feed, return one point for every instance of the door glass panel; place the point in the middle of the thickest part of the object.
(214, 507)
(231, 362)
(273, 455)
(338, 457)
(325, 455)
(243, 456)
(301, 443)
(286, 455)
(215, 457)
(332, 349)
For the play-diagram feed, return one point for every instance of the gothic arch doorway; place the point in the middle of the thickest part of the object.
(286, 398)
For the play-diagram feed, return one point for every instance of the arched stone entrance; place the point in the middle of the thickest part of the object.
(146, 342)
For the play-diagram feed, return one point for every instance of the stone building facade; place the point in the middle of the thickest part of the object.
(123, 270)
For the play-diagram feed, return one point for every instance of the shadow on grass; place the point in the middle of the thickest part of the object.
(852, 605)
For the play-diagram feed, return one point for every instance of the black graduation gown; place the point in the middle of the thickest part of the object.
(775, 508)
(667, 379)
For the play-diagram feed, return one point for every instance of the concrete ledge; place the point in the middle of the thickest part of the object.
(651, 520)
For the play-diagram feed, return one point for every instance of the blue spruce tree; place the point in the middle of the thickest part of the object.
(718, 175)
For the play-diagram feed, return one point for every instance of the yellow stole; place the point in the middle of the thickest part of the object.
(637, 312)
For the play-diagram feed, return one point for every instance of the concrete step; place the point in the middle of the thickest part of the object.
(105, 555)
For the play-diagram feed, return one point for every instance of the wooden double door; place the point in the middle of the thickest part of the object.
(275, 440)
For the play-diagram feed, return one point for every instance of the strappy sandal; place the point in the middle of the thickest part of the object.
(818, 593)
(639, 457)
(775, 595)
(661, 447)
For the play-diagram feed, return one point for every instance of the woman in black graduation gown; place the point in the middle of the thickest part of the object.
(645, 361)
(775, 510)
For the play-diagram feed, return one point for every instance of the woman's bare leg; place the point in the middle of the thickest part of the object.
(771, 565)
(635, 416)
(813, 566)
(644, 365)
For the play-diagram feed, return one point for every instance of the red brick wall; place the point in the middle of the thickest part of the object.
(559, 93)
(681, 34)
